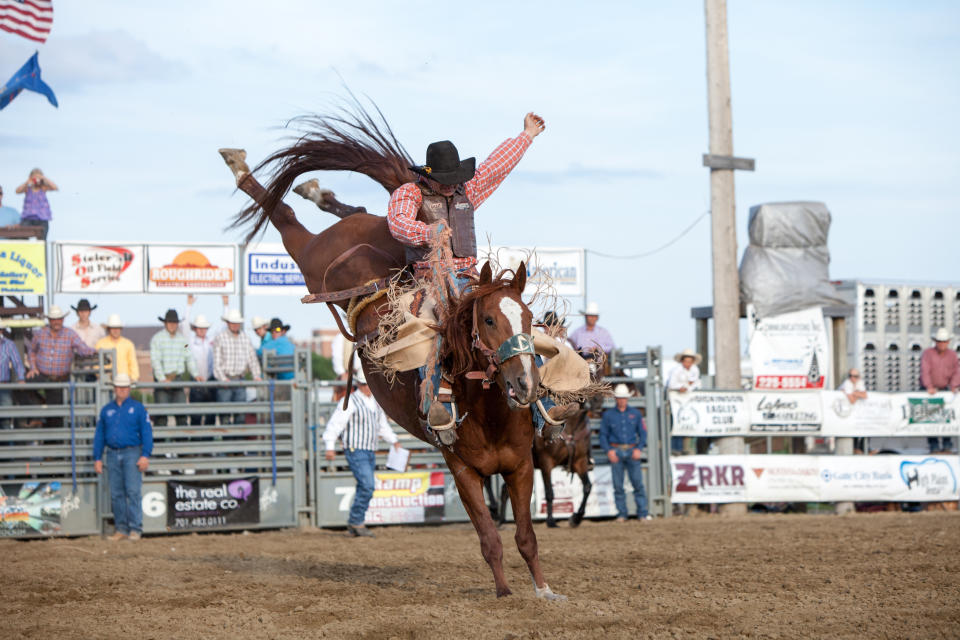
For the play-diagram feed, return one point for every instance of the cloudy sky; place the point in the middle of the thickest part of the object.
(854, 104)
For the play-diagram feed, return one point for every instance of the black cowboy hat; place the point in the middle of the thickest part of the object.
(550, 319)
(84, 305)
(277, 325)
(170, 317)
(444, 164)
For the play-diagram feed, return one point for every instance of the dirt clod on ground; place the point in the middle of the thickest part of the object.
(861, 576)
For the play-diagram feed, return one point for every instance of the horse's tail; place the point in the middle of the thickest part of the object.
(351, 139)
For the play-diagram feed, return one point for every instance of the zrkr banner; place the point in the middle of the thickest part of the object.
(89, 268)
(212, 504)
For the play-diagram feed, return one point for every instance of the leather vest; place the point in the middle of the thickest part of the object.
(457, 212)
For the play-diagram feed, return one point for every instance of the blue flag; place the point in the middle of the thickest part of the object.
(28, 77)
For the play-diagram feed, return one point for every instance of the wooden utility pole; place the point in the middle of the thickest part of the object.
(726, 280)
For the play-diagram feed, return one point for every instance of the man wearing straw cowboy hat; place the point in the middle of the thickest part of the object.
(940, 371)
(126, 353)
(124, 430)
(623, 438)
(170, 358)
(683, 378)
(50, 354)
(90, 332)
(233, 356)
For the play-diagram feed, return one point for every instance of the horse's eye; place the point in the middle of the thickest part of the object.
(489, 321)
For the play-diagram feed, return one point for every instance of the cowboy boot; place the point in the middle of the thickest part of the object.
(236, 160)
(442, 422)
(559, 413)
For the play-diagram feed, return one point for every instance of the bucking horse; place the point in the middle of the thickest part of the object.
(355, 258)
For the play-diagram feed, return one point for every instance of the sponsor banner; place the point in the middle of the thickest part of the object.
(784, 412)
(563, 267)
(23, 267)
(568, 494)
(709, 413)
(789, 351)
(790, 478)
(191, 269)
(891, 414)
(269, 270)
(88, 268)
(30, 509)
(211, 504)
(411, 497)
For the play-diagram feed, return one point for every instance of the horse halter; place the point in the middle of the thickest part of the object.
(516, 345)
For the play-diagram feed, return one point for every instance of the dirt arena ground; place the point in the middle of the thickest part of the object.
(866, 575)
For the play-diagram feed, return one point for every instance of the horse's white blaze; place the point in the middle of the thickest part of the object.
(513, 312)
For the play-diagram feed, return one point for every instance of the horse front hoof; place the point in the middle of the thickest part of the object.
(552, 524)
(504, 592)
(547, 594)
(575, 520)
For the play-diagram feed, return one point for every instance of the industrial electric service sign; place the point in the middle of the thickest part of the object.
(269, 270)
(212, 504)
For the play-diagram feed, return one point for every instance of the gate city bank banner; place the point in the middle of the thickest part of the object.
(23, 267)
(91, 268)
(271, 271)
(192, 269)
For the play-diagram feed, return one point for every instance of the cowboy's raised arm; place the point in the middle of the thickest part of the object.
(504, 158)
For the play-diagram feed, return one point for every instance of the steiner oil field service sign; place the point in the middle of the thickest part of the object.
(91, 268)
(23, 267)
(192, 269)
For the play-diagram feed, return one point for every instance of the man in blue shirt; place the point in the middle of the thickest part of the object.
(279, 343)
(124, 429)
(623, 437)
(10, 363)
(8, 215)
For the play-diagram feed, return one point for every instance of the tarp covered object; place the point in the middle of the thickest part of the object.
(786, 266)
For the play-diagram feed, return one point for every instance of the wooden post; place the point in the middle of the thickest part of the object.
(844, 445)
(726, 281)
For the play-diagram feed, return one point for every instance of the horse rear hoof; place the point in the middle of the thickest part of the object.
(552, 524)
(504, 592)
(575, 521)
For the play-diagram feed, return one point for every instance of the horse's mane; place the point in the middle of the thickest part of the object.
(349, 139)
(456, 330)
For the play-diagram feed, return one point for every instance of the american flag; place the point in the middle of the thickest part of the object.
(31, 19)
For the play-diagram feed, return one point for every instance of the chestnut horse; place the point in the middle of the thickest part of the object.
(496, 432)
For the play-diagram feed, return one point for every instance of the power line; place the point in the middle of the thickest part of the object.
(658, 249)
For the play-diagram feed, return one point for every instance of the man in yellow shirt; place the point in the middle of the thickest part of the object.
(126, 352)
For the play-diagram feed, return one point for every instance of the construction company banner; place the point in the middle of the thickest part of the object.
(191, 269)
(410, 497)
(23, 267)
(814, 412)
(790, 478)
(90, 268)
(568, 494)
(789, 351)
(212, 504)
(269, 270)
(30, 509)
(564, 268)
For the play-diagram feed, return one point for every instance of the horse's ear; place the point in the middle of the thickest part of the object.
(520, 277)
(486, 273)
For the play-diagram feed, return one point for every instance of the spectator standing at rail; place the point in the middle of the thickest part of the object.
(36, 208)
(358, 427)
(8, 215)
(50, 355)
(126, 353)
(854, 388)
(233, 357)
(623, 438)
(170, 358)
(201, 346)
(10, 363)
(124, 430)
(683, 378)
(591, 336)
(280, 344)
(89, 332)
(261, 327)
(940, 371)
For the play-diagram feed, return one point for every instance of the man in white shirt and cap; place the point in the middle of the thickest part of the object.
(201, 346)
(682, 379)
(358, 427)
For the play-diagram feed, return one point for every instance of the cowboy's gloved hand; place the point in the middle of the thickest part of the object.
(435, 230)
(533, 125)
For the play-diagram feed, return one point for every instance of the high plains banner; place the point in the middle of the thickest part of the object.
(789, 351)
(825, 413)
(90, 268)
(31, 508)
(788, 478)
(563, 267)
(23, 267)
(192, 269)
(269, 270)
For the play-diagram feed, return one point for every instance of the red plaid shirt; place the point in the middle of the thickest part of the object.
(406, 200)
(52, 354)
